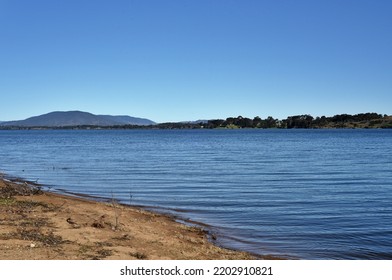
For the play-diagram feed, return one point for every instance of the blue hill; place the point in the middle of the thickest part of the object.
(75, 118)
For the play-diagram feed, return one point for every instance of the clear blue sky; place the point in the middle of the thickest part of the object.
(178, 60)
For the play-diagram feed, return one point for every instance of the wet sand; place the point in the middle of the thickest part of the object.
(43, 225)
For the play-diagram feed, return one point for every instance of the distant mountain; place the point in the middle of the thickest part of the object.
(196, 122)
(128, 120)
(75, 118)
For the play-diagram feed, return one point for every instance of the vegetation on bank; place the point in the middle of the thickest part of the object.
(366, 120)
(363, 120)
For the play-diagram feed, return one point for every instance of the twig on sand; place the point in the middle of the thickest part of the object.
(116, 209)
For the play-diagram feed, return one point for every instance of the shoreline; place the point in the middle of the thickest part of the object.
(38, 224)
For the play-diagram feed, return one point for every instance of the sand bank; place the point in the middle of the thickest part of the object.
(43, 225)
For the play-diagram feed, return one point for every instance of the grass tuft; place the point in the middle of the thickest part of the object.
(138, 255)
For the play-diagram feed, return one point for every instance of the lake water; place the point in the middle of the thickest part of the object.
(308, 194)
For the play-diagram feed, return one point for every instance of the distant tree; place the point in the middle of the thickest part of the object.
(214, 123)
(271, 122)
(243, 122)
(320, 122)
(300, 121)
(229, 121)
(257, 122)
(283, 123)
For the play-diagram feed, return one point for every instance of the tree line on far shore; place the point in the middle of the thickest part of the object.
(364, 120)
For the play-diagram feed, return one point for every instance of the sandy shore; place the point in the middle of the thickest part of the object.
(43, 225)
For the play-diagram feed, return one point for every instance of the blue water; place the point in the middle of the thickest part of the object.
(308, 194)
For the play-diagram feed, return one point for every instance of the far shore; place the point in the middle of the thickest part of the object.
(43, 225)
